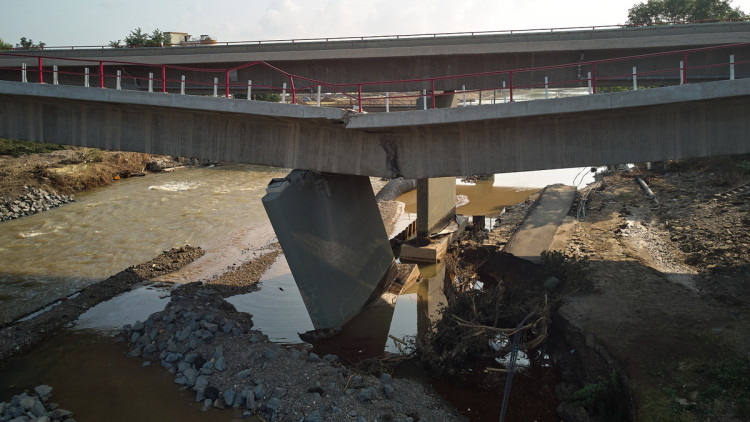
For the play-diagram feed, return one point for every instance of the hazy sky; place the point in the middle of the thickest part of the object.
(96, 22)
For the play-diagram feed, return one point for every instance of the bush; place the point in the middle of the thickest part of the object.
(18, 148)
(570, 270)
(604, 398)
(274, 98)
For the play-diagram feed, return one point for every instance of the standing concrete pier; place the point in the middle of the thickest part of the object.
(436, 204)
(333, 237)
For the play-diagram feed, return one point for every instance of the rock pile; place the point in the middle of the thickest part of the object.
(34, 408)
(34, 200)
(211, 350)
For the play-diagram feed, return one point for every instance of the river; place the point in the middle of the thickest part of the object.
(53, 254)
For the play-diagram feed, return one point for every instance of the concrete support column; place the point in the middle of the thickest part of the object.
(448, 99)
(436, 204)
(333, 237)
(436, 197)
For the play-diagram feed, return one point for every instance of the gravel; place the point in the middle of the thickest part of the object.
(241, 368)
(20, 335)
(35, 407)
(32, 201)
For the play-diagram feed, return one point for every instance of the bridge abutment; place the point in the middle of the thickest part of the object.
(333, 237)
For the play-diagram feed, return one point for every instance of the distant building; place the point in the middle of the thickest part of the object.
(181, 38)
(177, 37)
(205, 39)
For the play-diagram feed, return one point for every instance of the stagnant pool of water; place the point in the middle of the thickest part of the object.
(92, 377)
(52, 254)
(475, 391)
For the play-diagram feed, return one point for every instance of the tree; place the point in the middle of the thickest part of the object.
(4, 45)
(25, 44)
(138, 38)
(671, 11)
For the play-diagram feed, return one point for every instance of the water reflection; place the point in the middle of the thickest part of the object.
(277, 308)
(379, 328)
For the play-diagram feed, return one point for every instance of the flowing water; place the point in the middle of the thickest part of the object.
(53, 254)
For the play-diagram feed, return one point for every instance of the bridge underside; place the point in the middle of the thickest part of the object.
(328, 224)
(646, 125)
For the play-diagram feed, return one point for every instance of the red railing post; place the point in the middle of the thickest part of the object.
(226, 84)
(359, 96)
(684, 67)
(41, 75)
(433, 93)
(593, 77)
(510, 76)
(164, 79)
(101, 74)
(294, 91)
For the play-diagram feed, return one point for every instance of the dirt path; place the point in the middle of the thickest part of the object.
(671, 307)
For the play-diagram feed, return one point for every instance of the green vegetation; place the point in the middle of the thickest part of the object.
(25, 44)
(138, 38)
(730, 382)
(655, 12)
(621, 88)
(603, 398)
(571, 271)
(689, 390)
(274, 98)
(17, 148)
(29, 44)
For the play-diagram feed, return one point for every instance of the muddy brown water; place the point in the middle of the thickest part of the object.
(109, 229)
(476, 393)
(91, 376)
(112, 228)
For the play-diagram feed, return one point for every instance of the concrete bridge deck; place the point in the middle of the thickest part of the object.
(645, 125)
(375, 60)
(612, 40)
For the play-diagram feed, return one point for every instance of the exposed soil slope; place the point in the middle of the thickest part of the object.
(673, 277)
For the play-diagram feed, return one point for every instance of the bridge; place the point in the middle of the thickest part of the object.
(325, 215)
(379, 63)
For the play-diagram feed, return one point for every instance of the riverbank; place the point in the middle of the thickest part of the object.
(24, 333)
(38, 181)
(669, 316)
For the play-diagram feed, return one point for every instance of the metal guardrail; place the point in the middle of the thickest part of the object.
(503, 78)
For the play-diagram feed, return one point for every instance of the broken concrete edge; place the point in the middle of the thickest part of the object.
(431, 253)
(536, 233)
(554, 106)
(438, 246)
(358, 121)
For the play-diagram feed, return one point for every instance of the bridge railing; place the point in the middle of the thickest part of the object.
(509, 85)
(381, 37)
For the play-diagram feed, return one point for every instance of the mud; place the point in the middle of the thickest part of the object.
(670, 288)
(19, 336)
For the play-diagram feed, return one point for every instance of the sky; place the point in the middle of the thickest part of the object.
(97, 22)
